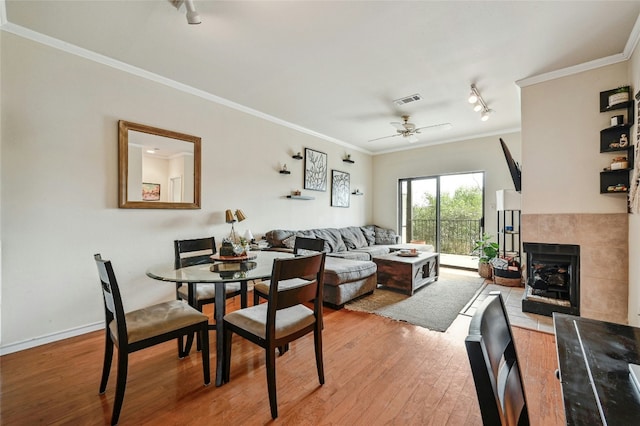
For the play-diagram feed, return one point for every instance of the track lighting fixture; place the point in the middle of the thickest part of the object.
(192, 15)
(479, 105)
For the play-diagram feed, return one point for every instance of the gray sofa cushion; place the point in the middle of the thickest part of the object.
(385, 236)
(333, 239)
(351, 254)
(338, 271)
(374, 250)
(369, 233)
(353, 237)
(276, 237)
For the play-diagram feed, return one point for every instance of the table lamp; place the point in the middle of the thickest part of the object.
(231, 217)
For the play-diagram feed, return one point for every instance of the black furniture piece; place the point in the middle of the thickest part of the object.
(494, 363)
(198, 252)
(142, 328)
(594, 358)
(284, 318)
(258, 269)
(302, 245)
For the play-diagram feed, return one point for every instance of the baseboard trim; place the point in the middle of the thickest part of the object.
(50, 338)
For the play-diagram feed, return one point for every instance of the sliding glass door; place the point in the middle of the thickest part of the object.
(445, 211)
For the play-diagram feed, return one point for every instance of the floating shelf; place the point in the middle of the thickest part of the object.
(357, 193)
(348, 160)
(285, 172)
(297, 156)
(300, 197)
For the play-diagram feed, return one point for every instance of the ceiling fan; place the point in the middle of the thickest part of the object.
(409, 130)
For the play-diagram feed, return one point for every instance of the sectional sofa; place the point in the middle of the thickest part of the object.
(349, 270)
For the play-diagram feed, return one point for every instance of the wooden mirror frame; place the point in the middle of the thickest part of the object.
(123, 167)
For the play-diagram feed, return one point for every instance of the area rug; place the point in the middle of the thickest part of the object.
(434, 306)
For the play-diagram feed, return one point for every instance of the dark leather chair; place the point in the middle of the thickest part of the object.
(284, 318)
(198, 252)
(494, 363)
(142, 328)
(302, 245)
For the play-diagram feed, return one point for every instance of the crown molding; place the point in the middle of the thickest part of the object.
(632, 42)
(139, 72)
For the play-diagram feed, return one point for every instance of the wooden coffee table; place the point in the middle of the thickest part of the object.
(407, 273)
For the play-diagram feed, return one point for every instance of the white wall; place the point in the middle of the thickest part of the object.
(634, 219)
(59, 186)
(482, 154)
(561, 123)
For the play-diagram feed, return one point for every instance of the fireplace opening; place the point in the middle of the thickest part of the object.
(553, 279)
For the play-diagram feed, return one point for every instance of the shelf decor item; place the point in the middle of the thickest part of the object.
(620, 95)
(487, 251)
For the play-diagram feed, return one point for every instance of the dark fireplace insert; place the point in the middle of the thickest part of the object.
(553, 279)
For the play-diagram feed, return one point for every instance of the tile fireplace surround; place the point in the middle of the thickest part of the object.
(604, 257)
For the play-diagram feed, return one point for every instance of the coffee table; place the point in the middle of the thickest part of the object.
(407, 273)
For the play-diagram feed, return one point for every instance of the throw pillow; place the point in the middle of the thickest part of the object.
(369, 233)
(289, 242)
(385, 236)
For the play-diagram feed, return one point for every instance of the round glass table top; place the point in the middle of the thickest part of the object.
(258, 268)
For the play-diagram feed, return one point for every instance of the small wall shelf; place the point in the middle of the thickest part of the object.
(357, 192)
(348, 160)
(297, 156)
(285, 172)
(300, 197)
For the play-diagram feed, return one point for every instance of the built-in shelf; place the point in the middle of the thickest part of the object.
(300, 197)
(285, 172)
(297, 156)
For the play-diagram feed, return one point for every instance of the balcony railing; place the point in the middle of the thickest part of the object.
(456, 235)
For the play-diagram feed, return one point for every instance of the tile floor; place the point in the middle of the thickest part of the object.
(513, 301)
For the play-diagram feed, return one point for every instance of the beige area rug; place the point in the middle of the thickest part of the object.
(434, 306)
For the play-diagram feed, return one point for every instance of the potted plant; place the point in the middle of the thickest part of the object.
(486, 250)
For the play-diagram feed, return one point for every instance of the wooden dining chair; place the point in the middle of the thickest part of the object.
(302, 245)
(142, 328)
(198, 252)
(494, 364)
(284, 318)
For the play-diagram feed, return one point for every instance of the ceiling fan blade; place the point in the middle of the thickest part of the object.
(384, 137)
(399, 126)
(441, 126)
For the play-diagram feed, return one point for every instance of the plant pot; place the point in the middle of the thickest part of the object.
(484, 270)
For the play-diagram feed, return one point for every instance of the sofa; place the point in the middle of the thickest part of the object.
(349, 270)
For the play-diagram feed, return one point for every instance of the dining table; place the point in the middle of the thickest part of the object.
(594, 358)
(258, 266)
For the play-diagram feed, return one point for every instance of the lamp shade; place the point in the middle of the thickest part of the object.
(240, 215)
(229, 216)
(248, 235)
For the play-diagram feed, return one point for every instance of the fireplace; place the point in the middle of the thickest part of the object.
(552, 279)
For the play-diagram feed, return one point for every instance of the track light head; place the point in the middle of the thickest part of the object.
(473, 95)
(485, 115)
(477, 107)
(192, 15)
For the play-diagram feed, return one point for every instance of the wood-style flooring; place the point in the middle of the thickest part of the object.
(378, 371)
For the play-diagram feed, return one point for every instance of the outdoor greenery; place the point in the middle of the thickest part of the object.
(459, 219)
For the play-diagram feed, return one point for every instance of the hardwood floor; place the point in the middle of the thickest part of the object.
(378, 371)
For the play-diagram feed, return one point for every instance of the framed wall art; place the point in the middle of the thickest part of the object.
(150, 191)
(315, 170)
(340, 182)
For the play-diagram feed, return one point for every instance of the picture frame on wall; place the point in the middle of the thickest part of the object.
(315, 170)
(150, 191)
(340, 183)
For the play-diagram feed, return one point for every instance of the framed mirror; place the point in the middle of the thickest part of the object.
(157, 168)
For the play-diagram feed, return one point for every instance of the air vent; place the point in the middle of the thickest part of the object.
(408, 99)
